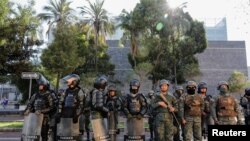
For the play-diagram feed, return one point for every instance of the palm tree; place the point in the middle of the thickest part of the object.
(57, 12)
(130, 32)
(97, 19)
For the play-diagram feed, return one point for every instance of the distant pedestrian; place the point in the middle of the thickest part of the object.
(4, 103)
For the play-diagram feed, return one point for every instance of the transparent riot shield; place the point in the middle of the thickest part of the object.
(32, 127)
(67, 130)
(100, 129)
(135, 130)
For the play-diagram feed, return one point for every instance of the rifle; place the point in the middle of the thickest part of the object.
(173, 114)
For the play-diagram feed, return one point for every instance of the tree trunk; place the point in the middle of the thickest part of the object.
(57, 81)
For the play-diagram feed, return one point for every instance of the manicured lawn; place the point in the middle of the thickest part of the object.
(15, 124)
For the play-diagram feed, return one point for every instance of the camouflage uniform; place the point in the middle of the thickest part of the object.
(191, 108)
(42, 103)
(84, 120)
(179, 91)
(164, 127)
(245, 103)
(151, 114)
(226, 109)
(206, 116)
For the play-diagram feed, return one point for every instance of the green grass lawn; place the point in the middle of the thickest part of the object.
(15, 124)
(19, 124)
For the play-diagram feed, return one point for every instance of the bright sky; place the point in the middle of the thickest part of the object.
(235, 11)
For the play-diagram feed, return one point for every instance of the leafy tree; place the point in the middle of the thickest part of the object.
(61, 56)
(170, 38)
(86, 50)
(237, 82)
(17, 42)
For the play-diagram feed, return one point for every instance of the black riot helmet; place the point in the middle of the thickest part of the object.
(247, 91)
(202, 85)
(72, 80)
(111, 88)
(134, 86)
(43, 81)
(100, 83)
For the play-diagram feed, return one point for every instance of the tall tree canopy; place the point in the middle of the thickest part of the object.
(168, 39)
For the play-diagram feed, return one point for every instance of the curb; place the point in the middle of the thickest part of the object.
(11, 112)
(10, 129)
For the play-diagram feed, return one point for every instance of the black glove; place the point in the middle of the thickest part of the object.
(110, 107)
(118, 131)
(58, 117)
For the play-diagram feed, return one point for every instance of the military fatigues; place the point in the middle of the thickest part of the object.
(226, 110)
(164, 127)
(85, 117)
(151, 116)
(52, 116)
(43, 103)
(245, 103)
(191, 108)
(114, 105)
(180, 130)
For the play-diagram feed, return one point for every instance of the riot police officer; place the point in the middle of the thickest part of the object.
(226, 109)
(135, 107)
(191, 109)
(99, 111)
(71, 106)
(245, 103)
(164, 107)
(114, 104)
(41, 103)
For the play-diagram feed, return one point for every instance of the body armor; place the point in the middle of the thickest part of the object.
(98, 116)
(226, 107)
(193, 105)
(114, 105)
(134, 105)
(69, 100)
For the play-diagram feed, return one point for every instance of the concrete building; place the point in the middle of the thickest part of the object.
(217, 62)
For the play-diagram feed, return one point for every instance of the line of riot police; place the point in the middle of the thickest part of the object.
(67, 115)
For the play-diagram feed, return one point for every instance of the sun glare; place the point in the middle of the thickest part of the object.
(175, 3)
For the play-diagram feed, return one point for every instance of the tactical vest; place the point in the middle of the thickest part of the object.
(134, 104)
(41, 101)
(226, 106)
(39, 104)
(193, 105)
(71, 98)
